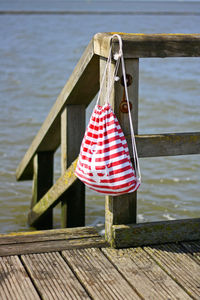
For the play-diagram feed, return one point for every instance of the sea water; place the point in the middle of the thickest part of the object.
(38, 53)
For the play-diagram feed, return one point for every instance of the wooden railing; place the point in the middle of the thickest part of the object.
(65, 126)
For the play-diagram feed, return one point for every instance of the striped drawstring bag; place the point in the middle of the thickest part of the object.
(104, 163)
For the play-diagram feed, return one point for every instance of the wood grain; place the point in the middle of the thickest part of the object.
(168, 144)
(179, 266)
(52, 197)
(140, 270)
(98, 275)
(52, 245)
(155, 232)
(72, 132)
(53, 277)
(48, 235)
(14, 282)
(149, 45)
(193, 248)
(122, 209)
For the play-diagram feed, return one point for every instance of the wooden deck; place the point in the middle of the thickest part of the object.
(78, 264)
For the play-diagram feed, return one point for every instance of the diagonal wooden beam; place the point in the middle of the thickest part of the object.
(81, 88)
(51, 198)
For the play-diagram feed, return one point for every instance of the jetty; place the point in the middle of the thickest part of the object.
(77, 263)
(155, 260)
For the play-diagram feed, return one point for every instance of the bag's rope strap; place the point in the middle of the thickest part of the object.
(119, 57)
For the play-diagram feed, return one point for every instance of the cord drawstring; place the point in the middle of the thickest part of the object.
(111, 79)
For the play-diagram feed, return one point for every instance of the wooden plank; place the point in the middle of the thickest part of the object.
(150, 45)
(81, 88)
(144, 274)
(179, 266)
(72, 132)
(168, 144)
(48, 235)
(98, 275)
(52, 245)
(42, 182)
(194, 248)
(155, 233)
(14, 282)
(52, 197)
(53, 277)
(122, 209)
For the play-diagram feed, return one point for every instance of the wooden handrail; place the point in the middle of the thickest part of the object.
(84, 81)
(150, 45)
(60, 126)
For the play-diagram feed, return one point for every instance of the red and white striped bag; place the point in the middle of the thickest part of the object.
(104, 163)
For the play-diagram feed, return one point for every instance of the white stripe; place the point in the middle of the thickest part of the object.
(102, 163)
(103, 121)
(109, 177)
(110, 127)
(117, 140)
(114, 168)
(106, 187)
(104, 154)
(105, 138)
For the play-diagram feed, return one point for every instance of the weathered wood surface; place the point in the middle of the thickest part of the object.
(168, 271)
(140, 270)
(53, 240)
(42, 181)
(168, 144)
(98, 275)
(48, 235)
(122, 209)
(193, 248)
(72, 132)
(53, 277)
(133, 235)
(81, 88)
(14, 282)
(179, 266)
(150, 45)
(52, 197)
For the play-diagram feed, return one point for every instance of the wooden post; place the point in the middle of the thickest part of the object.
(72, 132)
(42, 182)
(122, 209)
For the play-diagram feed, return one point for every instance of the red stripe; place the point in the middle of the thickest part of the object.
(108, 181)
(120, 186)
(103, 159)
(101, 127)
(104, 118)
(105, 141)
(116, 193)
(99, 168)
(117, 179)
(106, 133)
(111, 156)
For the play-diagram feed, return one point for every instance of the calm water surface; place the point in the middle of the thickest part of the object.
(37, 55)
